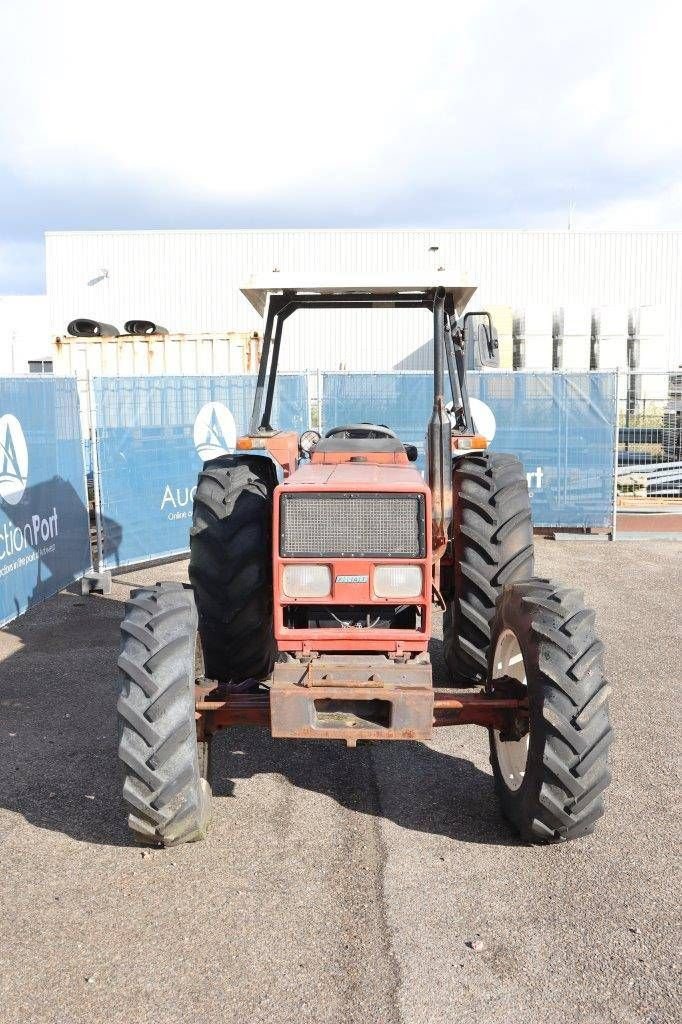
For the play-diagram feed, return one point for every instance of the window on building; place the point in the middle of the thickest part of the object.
(40, 366)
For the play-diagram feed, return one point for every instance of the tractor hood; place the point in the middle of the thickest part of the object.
(357, 476)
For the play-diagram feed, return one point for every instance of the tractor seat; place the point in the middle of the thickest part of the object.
(390, 445)
(360, 437)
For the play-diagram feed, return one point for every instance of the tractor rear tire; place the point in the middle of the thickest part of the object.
(551, 781)
(166, 798)
(230, 567)
(493, 546)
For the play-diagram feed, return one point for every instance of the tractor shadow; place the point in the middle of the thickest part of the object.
(58, 762)
(410, 784)
(413, 785)
(58, 731)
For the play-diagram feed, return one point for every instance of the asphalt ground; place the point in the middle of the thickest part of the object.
(338, 885)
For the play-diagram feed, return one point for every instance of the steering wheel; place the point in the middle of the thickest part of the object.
(362, 430)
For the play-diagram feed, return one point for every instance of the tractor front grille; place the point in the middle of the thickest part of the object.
(355, 524)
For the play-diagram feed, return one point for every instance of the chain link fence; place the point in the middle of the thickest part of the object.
(561, 425)
(649, 438)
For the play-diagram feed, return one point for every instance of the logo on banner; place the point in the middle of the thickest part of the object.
(534, 479)
(484, 418)
(215, 432)
(13, 460)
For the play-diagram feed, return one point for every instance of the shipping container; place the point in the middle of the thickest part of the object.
(158, 354)
(231, 352)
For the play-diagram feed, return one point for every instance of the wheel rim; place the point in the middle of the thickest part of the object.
(512, 755)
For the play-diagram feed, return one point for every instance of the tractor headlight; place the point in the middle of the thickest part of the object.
(398, 580)
(307, 581)
(308, 440)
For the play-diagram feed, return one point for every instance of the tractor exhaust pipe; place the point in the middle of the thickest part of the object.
(439, 439)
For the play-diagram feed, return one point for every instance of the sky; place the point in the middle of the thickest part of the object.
(202, 114)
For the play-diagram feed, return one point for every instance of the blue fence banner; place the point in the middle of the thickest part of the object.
(44, 520)
(561, 425)
(153, 435)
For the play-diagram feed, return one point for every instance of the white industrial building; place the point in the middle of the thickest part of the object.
(25, 337)
(189, 281)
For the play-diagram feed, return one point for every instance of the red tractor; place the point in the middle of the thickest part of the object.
(315, 563)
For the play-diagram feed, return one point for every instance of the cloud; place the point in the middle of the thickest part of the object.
(22, 268)
(661, 208)
(491, 114)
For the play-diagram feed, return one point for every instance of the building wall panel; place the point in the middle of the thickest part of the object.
(189, 281)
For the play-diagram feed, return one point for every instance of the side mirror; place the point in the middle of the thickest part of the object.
(411, 452)
(480, 340)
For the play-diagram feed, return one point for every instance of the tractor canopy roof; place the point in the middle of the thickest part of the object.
(359, 289)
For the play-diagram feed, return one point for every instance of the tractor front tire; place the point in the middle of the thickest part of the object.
(230, 567)
(165, 795)
(551, 780)
(492, 546)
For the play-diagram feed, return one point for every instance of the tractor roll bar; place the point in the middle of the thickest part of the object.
(438, 342)
(256, 424)
(281, 306)
(439, 438)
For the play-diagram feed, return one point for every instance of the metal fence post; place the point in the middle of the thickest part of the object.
(99, 547)
(616, 441)
(309, 402)
(86, 491)
(319, 400)
(100, 579)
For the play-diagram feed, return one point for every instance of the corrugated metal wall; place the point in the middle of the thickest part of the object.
(189, 281)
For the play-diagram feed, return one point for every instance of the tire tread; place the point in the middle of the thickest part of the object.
(492, 546)
(568, 757)
(163, 794)
(230, 566)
